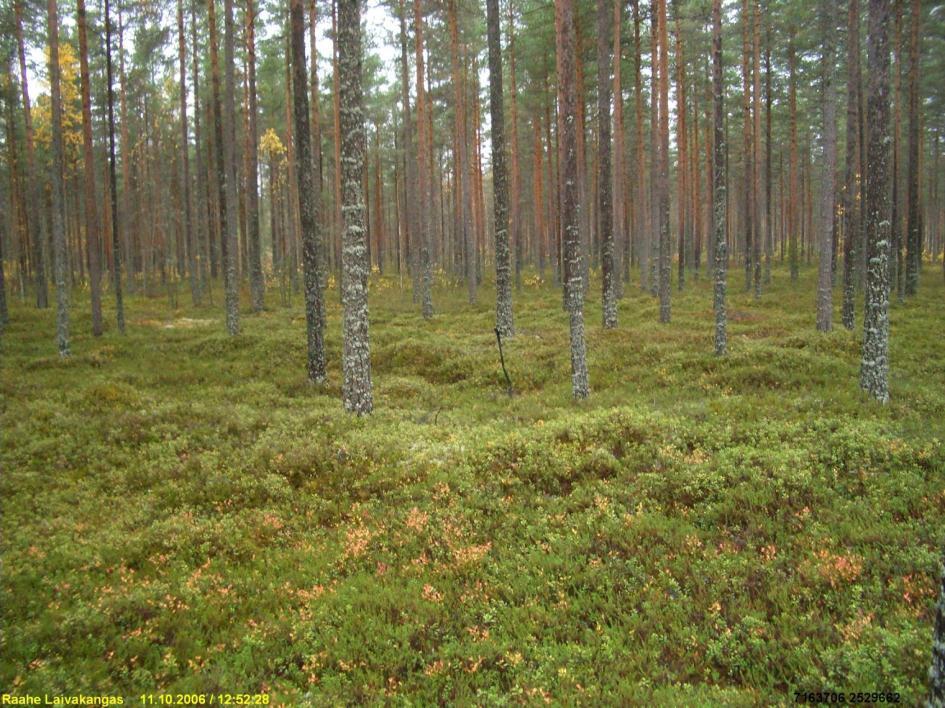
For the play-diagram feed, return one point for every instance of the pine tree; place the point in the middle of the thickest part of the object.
(189, 238)
(500, 194)
(424, 172)
(825, 276)
(570, 210)
(60, 252)
(874, 370)
(665, 246)
(719, 196)
(34, 188)
(604, 186)
(256, 283)
(112, 179)
(308, 209)
(851, 202)
(356, 357)
(91, 198)
(914, 215)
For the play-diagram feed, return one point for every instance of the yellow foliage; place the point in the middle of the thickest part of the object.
(71, 108)
(270, 145)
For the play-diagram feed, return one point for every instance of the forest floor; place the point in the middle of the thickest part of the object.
(184, 513)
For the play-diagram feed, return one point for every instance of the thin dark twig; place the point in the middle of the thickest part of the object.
(498, 338)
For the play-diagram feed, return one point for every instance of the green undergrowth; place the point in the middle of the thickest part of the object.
(183, 512)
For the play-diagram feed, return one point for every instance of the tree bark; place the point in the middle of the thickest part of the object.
(605, 216)
(825, 275)
(256, 283)
(34, 188)
(307, 197)
(424, 172)
(92, 235)
(500, 189)
(874, 370)
(914, 215)
(356, 356)
(60, 253)
(570, 211)
(665, 246)
(719, 197)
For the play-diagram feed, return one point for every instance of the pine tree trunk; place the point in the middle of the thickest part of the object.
(516, 232)
(256, 282)
(851, 205)
(93, 237)
(570, 216)
(60, 253)
(874, 371)
(500, 188)
(681, 138)
(825, 275)
(665, 245)
(113, 181)
(424, 171)
(793, 215)
(34, 186)
(356, 356)
(914, 216)
(757, 198)
(719, 198)
(307, 197)
(605, 217)
(185, 161)
(410, 184)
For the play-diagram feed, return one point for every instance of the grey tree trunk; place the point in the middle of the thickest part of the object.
(33, 190)
(190, 240)
(308, 205)
(874, 369)
(570, 210)
(829, 12)
(665, 245)
(230, 274)
(424, 172)
(719, 196)
(257, 285)
(851, 206)
(500, 187)
(605, 216)
(410, 186)
(60, 254)
(356, 356)
(93, 237)
(914, 216)
(112, 178)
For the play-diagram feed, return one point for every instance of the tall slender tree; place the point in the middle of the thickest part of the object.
(34, 188)
(570, 216)
(874, 368)
(112, 178)
(605, 216)
(356, 357)
(500, 188)
(190, 240)
(665, 246)
(851, 190)
(719, 197)
(231, 254)
(829, 12)
(424, 171)
(60, 252)
(307, 197)
(913, 215)
(92, 234)
(257, 284)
